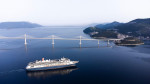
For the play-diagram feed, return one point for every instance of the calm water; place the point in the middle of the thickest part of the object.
(99, 65)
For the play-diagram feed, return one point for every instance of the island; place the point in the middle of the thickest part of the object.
(22, 24)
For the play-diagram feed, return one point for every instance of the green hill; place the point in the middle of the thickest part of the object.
(138, 27)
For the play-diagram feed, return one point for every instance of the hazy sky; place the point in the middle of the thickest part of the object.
(73, 12)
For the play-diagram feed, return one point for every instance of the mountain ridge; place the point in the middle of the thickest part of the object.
(136, 28)
(19, 24)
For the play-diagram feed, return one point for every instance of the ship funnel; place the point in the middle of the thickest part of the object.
(42, 59)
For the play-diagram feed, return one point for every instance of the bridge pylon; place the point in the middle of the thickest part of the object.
(25, 39)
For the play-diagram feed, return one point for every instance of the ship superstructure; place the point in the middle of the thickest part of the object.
(50, 64)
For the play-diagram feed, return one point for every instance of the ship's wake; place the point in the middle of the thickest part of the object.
(50, 73)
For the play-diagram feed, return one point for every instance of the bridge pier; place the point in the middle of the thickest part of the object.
(25, 39)
(108, 42)
(80, 40)
(52, 45)
(98, 42)
(26, 48)
(53, 40)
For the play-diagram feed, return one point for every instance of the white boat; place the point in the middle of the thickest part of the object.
(50, 64)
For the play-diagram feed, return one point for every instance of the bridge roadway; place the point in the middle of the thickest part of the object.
(59, 38)
(52, 37)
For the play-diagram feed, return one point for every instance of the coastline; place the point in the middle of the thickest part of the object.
(129, 44)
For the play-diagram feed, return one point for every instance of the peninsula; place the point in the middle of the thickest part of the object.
(138, 29)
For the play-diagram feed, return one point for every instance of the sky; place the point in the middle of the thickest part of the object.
(73, 12)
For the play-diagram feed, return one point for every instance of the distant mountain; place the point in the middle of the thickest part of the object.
(108, 25)
(93, 24)
(137, 27)
(18, 25)
(145, 21)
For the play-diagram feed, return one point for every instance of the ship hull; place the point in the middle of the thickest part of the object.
(48, 68)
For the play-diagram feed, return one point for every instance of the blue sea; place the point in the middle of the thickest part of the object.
(98, 64)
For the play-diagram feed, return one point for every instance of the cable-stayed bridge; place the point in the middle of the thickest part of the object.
(53, 38)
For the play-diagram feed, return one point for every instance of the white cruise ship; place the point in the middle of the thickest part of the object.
(50, 64)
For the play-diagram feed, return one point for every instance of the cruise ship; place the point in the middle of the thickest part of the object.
(50, 64)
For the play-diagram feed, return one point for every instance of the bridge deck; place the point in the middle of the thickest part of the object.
(55, 38)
